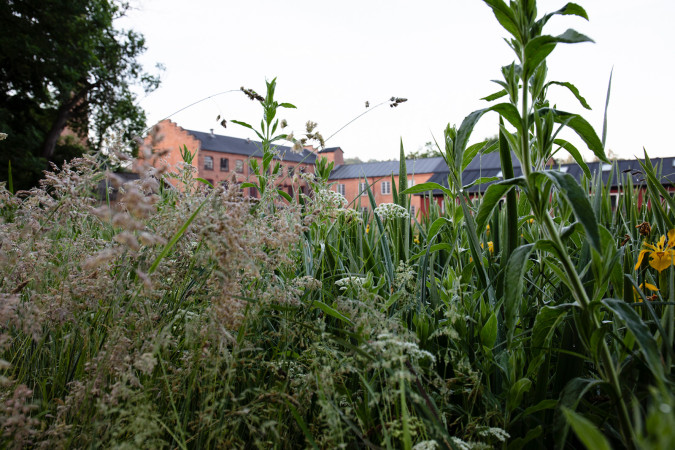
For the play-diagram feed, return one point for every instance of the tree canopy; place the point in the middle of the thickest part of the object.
(64, 65)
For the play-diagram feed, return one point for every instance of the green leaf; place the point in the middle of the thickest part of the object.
(491, 198)
(572, 394)
(572, 89)
(426, 187)
(583, 129)
(205, 181)
(480, 181)
(495, 96)
(248, 184)
(287, 105)
(506, 110)
(586, 431)
(540, 47)
(488, 334)
(505, 16)
(604, 119)
(547, 320)
(243, 124)
(513, 287)
(331, 312)
(645, 340)
(518, 389)
(285, 195)
(576, 154)
(580, 204)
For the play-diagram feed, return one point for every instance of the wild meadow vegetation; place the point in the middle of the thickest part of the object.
(189, 316)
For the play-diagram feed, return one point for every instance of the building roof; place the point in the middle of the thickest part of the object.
(247, 147)
(486, 167)
(329, 150)
(387, 168)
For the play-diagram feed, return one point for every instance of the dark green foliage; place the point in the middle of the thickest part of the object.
(64, 63)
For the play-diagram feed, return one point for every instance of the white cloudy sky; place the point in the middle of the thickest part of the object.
(330, 57)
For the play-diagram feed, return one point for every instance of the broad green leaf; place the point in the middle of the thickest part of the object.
(471, 152)
(645, 339)
(573, 89)
(578, 200)
(287, 105)
(586, 431)
(547, 320)
(518, 389)
(488, 334)
(583, 129)
(540, 47)
(506, 110)
(493, 194)
(426, 187)
(505, 16)
(248, 184)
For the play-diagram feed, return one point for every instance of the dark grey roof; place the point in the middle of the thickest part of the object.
(387, 168)
(247, 147)
(619, 170)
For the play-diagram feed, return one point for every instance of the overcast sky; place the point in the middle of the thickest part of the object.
(331, 57)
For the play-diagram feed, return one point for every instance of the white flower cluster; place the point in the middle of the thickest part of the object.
(330, 199)
(426, 445)
(388, 211)
(389, 343)
(345, 283)
(498, 433)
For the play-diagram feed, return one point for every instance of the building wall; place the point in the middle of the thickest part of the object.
(169, 138)
(356, 199)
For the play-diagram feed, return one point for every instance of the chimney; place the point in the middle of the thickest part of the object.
(212, 135)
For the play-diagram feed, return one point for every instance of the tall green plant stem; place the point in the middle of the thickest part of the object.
(579, 292)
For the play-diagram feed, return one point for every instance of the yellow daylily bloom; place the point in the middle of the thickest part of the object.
(661, 255)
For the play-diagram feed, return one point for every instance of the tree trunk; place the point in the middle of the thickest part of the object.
(64, 113)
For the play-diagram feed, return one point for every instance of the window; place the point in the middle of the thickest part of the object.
(208, 163)
(302, 169)
(291, 171)
(239, 166)
(224, 164)
(411, 183)
(412, 210)
(341, 189)
(385, 187)
(253, 192)
(363, 189)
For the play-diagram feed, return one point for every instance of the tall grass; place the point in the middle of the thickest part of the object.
(198, 318)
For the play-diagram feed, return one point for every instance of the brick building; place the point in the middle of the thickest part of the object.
(350, 180)
(221, 159)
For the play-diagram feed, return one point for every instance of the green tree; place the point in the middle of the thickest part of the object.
(63, 63)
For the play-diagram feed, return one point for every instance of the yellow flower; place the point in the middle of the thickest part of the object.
(368, 228)
(491, 246)
(661, 255)
(651, 287)
(531, 221)
(487, 230)
(416, 239)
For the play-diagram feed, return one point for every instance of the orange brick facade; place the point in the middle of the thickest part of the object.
(219, 166)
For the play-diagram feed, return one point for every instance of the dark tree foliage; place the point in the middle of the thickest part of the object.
(64, 64)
